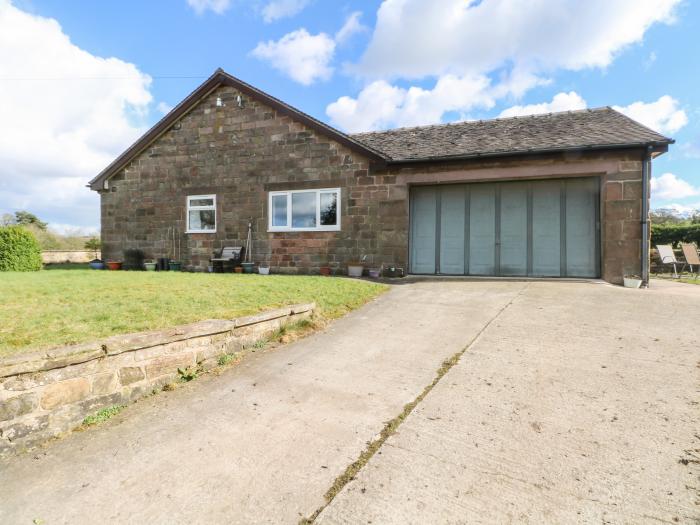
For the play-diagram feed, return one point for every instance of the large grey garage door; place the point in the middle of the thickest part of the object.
(537, 228)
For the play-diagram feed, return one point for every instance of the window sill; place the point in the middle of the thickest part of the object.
(200, 231)
(292, 230)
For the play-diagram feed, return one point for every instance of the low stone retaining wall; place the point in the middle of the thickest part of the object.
(68, 256)
(45, 394)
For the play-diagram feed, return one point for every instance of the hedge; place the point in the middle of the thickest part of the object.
(19, 250)
(675, 233)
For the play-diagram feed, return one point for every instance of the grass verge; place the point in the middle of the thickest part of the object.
(44, 309)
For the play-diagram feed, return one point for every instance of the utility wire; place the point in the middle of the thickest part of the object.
(164, 77)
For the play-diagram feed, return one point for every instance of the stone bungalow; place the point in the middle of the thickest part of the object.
(556, 195)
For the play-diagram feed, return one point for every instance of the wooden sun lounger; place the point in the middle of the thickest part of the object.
(692, 259)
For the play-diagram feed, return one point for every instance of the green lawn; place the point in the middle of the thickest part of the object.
(51, 308)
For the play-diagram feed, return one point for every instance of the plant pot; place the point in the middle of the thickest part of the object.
(374, 273)
(238, 269)
(114, 265)
(175, 266)
(210, 269)
(325, 270)
(264, 270)
(96, 264)
(391, 271)
(632, 282)
(355, 270)
(248, 267)
(150, 266)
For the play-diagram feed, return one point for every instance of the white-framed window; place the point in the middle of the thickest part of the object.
(201, 214)
(304, 210)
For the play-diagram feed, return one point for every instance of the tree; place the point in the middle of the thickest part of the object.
(7, 219)
(93, 244)
(25, 218)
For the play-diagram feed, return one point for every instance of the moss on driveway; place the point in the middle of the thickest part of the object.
(45, 309)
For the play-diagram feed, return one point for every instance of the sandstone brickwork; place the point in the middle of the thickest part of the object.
(45, 394)
(241, 153)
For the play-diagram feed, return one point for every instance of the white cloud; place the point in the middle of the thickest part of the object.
(515, 44)
(302, 56)
(458, 36)
(276, 9)
(560, 102)
(663, 116)
(217, 6)
(164, 107)
(382, 105)
(351, 27)
(669, 187)
(66, 114)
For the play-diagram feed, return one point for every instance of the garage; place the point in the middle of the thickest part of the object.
(544, 228)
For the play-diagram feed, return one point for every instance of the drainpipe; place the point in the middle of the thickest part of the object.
(646, 176)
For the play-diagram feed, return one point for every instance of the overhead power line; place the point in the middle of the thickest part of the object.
(154, 77)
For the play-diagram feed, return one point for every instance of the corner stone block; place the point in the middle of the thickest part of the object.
(130, 374)
(65, 392)
(103, 383)
(17, 406)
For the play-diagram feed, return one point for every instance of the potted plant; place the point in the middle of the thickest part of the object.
(238, 269)
(355, 268)
(264, 269)
(93, 244)
(150, 265)
(114, 265)
(632, 281)
(97, 264)
(374, 273)
(174, 266)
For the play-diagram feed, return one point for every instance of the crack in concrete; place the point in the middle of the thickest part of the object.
(392, 425)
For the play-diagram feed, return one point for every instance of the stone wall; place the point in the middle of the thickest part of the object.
(240, 154)
(45, 394)
(68, 256)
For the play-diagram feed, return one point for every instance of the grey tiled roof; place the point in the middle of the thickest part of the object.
(570, 130)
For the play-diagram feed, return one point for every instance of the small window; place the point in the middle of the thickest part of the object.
(305, 210)
(201, 214)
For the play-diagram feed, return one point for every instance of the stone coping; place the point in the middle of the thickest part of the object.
(75, 354)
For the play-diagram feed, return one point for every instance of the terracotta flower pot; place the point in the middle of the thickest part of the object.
(238, 269)
(325, 270)
(114, 265)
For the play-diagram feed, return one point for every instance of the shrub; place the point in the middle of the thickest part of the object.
(675, 233)
(19, 250)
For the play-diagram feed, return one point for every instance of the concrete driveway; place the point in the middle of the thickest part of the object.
(559, 402)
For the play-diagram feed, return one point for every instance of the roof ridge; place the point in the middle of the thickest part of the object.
(462, 122)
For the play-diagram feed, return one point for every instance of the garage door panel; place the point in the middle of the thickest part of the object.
(539, 228)
(482, 229)
(513, 229)
(452, 229)
(423, 230)
(546, 229)
(581, 228)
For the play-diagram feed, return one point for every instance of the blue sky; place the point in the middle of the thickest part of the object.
(80, 80)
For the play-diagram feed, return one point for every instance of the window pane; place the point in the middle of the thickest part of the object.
(202, 220)
(304, 210)
(279, 210)
(201, 202)
(329, 209)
